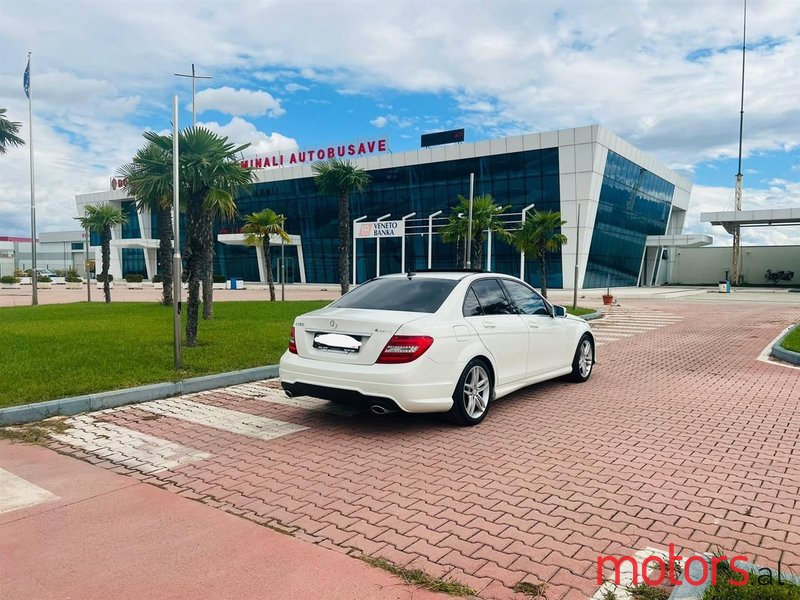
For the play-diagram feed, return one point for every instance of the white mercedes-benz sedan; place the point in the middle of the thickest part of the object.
(450, 341)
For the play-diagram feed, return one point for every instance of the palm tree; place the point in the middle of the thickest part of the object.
(258, 227)
(455, 231)
(485, 217)
(210, 174)
(341, 178)
(538, 236)
(149, 177)
(8, 132)
(101, 218)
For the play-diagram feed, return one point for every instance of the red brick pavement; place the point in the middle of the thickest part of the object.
(681, 436)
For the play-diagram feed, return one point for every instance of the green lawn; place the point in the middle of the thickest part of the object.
(62, 350)
(792, 341)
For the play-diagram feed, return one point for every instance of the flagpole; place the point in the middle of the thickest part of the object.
(34, 273)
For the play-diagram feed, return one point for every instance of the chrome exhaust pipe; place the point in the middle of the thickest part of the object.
(288, 393)
(380, 409)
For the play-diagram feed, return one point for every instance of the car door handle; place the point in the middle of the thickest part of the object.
(489, 325)
(533, 326)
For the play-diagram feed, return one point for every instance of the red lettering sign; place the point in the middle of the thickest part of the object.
(307, 156)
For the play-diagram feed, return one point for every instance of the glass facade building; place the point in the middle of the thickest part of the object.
(626, 199)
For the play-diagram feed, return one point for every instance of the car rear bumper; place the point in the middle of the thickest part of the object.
(363, 385)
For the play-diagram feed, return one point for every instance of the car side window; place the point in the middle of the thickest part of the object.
(492, 298)
(528, 301)
(472, 308)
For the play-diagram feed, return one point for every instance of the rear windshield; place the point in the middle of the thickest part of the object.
(412, 295)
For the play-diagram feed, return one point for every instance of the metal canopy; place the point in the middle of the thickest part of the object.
(752, 218)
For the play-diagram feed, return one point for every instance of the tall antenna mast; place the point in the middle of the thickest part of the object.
(737, 231)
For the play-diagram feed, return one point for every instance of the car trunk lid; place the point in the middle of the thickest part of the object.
(352, 336)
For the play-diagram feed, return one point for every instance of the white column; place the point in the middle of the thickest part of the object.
(430, 236)
(522, 254)
(378, 248)
(353, 251)
(403, 243)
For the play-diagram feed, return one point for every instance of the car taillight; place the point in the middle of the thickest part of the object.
(292, 343)
(404, 349)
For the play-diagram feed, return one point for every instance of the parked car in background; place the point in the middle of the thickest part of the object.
(41, 273)
(432, 341)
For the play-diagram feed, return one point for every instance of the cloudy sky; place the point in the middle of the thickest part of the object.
(665, 75)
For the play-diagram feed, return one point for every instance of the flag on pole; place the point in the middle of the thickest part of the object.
(26, 79)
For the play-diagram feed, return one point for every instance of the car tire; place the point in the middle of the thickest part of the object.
(583, 362)
(473, 394)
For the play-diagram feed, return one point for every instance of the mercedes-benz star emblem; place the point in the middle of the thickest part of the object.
(333, 324)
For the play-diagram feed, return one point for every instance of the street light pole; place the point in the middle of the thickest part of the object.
(577, 252)
(522, 253)
(403, 244)
(193, 78)
(283, 261)
(86, 266)
(176, 250)
(469, 220)
(354, 246)
(378, 250)
(430, 236)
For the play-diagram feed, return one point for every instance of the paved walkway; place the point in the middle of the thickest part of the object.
(72, 530)
(681, 436)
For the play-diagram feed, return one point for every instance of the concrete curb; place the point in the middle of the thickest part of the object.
(591, 316)
(28, 413)
(781, 353)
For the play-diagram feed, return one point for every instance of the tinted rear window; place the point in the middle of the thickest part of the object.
(413, 295)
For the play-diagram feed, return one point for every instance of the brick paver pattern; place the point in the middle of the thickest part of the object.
(681, 436)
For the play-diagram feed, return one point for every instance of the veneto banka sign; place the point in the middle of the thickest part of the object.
(299, 157)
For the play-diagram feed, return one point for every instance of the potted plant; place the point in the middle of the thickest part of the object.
(43, 282)
(134, 281)
(100, 281)
(608, 299)
(218, 282)
(9, 282)
(73, 281)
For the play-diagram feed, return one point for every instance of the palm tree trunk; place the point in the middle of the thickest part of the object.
(208, 273)
(344, 243)
(105, 241)
(268, 268)
(194, 260)
(165, 236)
(543, 274)
(477, 243)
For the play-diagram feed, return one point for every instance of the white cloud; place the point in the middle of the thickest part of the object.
(397, 121)
(240, 102)
(240, 132)
(295, 87)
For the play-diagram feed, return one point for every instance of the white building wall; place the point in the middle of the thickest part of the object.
(699, 266)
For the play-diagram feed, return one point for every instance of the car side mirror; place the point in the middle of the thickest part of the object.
(559, 311)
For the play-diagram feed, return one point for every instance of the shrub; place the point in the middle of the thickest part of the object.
(101, 279)
(72, 277)
(43, 279)
(9, 279)
(19, 273)
(60, 272)
(158, 278)
(218, 278)
(134, 278)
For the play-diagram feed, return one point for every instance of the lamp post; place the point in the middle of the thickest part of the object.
(469, 221)
(378, 247)
(497, 209)
(283, 261)
(86, 266)
(522, 254)
(430, 236)
(577, 252)
(403, 243)
(176, 250)
(193, 78)
(354, 245)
